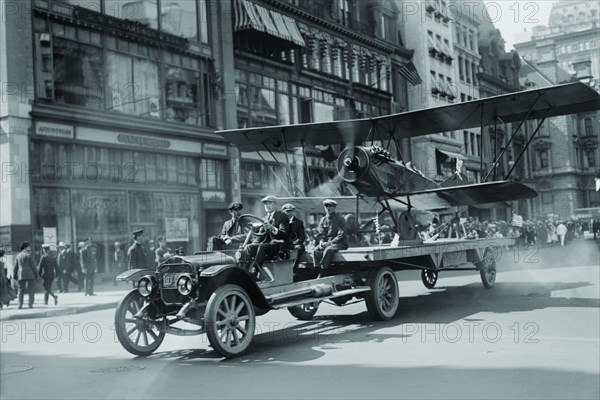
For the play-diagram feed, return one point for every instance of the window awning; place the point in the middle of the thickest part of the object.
(251, 16)
(452, 155)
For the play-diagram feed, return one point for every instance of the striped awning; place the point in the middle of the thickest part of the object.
(251, 16)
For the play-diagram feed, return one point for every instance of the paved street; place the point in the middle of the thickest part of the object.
(534, 335)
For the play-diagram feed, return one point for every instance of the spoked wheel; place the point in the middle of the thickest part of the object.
(487, 268)
(429, 278)
(138, 336)
(383, 298)
(230, 320)
(304, 312)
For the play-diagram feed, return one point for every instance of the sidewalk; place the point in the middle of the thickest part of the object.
(107, 296)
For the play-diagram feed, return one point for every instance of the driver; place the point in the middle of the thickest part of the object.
(269, 238)
(233, 233)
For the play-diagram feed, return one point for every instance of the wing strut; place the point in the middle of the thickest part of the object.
(511, 138)
(528, 143)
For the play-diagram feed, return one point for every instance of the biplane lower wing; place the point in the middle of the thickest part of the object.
(494, 193)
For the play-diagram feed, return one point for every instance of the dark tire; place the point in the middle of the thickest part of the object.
(136, 336)
(230, 320)
(487, 269)
(429, 278)
(383, 298)
(304, 312)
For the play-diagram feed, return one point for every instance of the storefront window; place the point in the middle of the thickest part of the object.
(179, 18)
(78, 77)
(212, 174)
(51, 209)
(142, 11)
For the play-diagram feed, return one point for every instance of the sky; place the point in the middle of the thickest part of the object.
(513, 16)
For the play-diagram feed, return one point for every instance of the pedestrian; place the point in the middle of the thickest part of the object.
(162, 252)
(561, 231)
(6, 292)
(88, 257)
(48, 270)
(117, 260)
(136, 254)
(26, 273)
(332, 236)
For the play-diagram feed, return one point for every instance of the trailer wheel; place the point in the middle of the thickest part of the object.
(304, 312)
(487, 269)
(383, 298)
(230, 320)
(429, 278)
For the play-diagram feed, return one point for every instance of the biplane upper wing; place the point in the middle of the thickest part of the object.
(531, 104)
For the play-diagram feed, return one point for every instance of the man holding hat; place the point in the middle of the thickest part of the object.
(297, 235)
(232, 234)
(136, 254)
(267, 241)
(331, 237)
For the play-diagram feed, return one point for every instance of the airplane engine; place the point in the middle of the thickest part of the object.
(373, 172)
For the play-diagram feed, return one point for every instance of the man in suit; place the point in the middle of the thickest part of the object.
(232, 234)
(331, 237)
(89, 265)
(26, 273)
(268, 239)
(297, 236)
(136, 254)
(48, 270)
(162, 252)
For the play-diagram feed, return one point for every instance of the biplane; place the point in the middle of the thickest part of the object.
(213, 291)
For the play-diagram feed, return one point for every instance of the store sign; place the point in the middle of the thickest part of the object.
(129, 27)
(215, 149)
(49, 235)
(177, 229)
(143, 141)
(55, 130)
(211, 195)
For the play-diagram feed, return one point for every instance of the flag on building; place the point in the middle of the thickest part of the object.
(410, 73)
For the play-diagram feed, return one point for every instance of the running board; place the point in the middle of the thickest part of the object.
(341, 293)
(182, 332)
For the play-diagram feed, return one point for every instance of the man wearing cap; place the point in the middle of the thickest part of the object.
(48, 269)
(297, 235)
(136, 254)
(232, 234)
(267, 241)
(331, 237)
(26, 273)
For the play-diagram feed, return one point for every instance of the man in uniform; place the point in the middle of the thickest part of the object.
(297, 235)
(232, 234)
(136, 254)
(331, 237)
(269, 238)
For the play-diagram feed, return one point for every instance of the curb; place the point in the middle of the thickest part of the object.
(60, 312)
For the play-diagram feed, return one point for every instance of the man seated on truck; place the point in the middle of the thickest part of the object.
(331, 237)
(269, 238)
(233, 233)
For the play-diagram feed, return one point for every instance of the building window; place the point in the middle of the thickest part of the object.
(461, 74)
(77, 74)
(212, 174)
(345, 11)
(543, 158)
(142, 11)
(547, 203)
(203, 17)
(179, 18)
(590, 158)
(91, 4)
(588, 127)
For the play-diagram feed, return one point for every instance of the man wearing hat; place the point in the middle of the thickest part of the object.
(267, 241)
(136, 254)
(331, 237)
(25, 272)
(297, 235)
(232, 234)
(88, 257)
(48, 269)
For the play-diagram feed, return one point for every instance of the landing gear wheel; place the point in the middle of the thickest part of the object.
(138, 336)
(230, 320)
(429, 278)
(487, 268)
(382, 300)
(304, 312)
